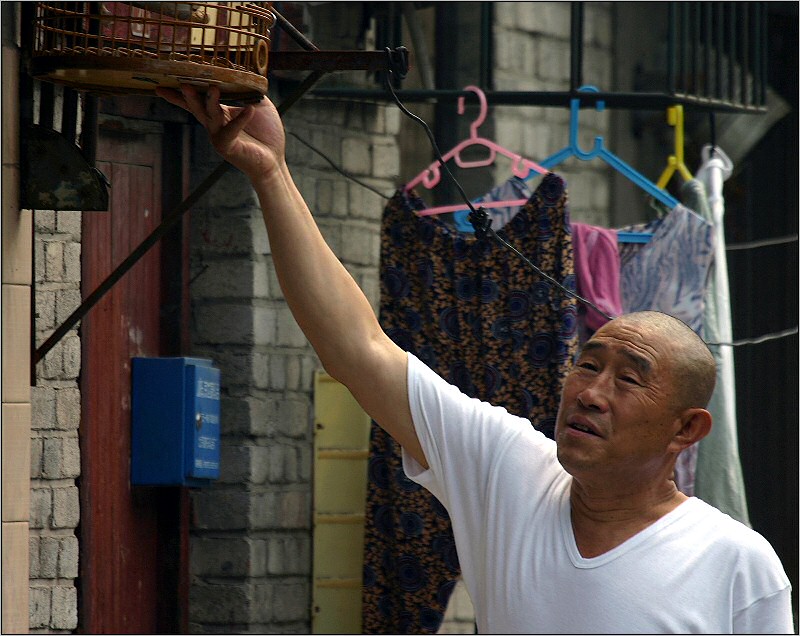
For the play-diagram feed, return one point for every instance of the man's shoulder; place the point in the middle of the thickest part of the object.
(727, 533)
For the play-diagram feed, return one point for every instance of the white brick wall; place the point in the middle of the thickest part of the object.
(531, 42)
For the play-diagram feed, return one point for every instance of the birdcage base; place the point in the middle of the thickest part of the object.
(126, 76)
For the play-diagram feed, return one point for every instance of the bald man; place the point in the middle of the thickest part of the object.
(584, 534)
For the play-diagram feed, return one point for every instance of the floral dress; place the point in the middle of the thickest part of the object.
(480, 317)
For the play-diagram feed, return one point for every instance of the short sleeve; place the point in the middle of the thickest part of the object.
(462, 437)
(769, 615)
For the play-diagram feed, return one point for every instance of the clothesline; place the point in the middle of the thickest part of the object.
(758, 340)
(778, 240)
(748, 245)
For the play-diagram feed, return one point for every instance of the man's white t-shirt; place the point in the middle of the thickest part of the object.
(695, 570)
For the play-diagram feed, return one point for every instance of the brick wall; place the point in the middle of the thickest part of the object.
(532, 53)
(251, 561)
(55, 455)
(251, 544)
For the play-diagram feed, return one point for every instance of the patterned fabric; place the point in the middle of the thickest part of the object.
(670, 274)
(476, 314)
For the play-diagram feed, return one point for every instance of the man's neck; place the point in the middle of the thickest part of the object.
(601, 522)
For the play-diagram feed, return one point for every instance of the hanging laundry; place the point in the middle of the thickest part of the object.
(670, 273)
(719, 479)
(514, 189)
(597, 266)
(481, 318)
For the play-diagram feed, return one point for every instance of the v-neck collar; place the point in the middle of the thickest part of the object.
(568, 534)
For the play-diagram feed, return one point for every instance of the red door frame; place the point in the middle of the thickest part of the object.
(134, 541)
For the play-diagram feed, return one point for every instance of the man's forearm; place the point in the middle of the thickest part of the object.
(328, 305)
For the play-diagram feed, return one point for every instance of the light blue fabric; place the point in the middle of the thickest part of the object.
(670, 274)
(718, 477)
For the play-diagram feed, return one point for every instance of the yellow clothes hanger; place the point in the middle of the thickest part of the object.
(675, 161)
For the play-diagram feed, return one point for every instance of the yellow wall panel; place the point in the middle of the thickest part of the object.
(340, 485)
(338, 551)
(337, 611)
(341, 445)
(340, 421)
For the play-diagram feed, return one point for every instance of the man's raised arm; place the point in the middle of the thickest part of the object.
(327, 303)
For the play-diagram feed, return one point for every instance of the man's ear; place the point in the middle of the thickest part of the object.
(695, 425)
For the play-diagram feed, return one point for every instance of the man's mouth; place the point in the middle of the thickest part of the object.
(579, 424)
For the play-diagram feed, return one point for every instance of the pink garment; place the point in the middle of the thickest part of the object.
(597, 271)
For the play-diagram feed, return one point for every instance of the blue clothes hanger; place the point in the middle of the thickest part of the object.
(599, 150)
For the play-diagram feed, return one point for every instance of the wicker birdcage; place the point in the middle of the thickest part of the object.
(134, 47)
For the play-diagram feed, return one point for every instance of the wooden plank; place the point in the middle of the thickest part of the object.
(339, 584)
(337, 610)
(130, 539)
(337, 453)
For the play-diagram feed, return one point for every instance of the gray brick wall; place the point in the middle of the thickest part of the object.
(532, 53)
(56, 407)
(251, 541)
(252, 535)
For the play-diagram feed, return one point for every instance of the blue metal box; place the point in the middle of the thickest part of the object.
(175, 422)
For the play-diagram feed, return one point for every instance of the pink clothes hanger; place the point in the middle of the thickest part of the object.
(431, 175)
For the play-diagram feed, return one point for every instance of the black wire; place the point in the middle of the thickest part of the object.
(342, 172)
(428, 132)
(479, 218)
(749, 245)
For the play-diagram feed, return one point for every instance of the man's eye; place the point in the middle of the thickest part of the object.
(588, 365)
(630, 380)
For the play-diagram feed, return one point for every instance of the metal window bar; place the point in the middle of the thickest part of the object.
(716, 62)
(576, 46)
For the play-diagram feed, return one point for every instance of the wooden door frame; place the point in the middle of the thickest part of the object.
(170, 505)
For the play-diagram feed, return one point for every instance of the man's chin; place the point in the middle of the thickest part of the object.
(572, 461)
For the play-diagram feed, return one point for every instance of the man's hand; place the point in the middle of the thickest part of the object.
(250, 138)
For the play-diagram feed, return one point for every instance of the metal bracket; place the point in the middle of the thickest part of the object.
(329, 61)
(320, 62)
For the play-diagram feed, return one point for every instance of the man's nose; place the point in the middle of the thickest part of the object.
(594, 396)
